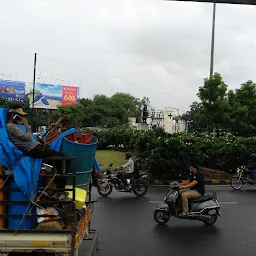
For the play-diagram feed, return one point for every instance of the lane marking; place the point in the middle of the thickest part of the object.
(156, 202)
(221, 203)
(228, 202)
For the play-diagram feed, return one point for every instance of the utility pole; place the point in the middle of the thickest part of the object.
(213, 39)
(33, 97)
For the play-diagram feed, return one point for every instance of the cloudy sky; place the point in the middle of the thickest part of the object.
(148, 48)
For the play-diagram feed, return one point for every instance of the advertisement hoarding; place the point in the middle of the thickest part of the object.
(49, 96)
(12, 90)
(69, 95)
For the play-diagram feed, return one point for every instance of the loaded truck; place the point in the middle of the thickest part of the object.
(38, 216)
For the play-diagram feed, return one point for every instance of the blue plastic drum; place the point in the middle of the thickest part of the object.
(19, 208)
(85, 154)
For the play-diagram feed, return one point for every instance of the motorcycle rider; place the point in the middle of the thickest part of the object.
(128, 168)
(191, 189)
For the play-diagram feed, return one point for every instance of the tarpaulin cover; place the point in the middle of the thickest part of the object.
(25, 169)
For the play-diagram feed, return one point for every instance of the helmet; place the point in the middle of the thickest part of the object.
(128, 155)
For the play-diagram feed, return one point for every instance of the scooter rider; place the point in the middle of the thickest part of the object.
(128, 168)
(191, 189)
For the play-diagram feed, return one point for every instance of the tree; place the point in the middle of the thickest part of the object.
(75, 114)
(128, 102)
(238, 124)
(86, 102)
(243, 109)
(101, 111)
(215, 105)
(194, 125)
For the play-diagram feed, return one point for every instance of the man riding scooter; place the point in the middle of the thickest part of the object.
(191, 189)
(199, 207)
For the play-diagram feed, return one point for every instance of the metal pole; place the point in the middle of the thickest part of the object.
(213, 39)
(178, 120)
(33, 97)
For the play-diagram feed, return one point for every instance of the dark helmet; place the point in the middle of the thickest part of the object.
(128, 155)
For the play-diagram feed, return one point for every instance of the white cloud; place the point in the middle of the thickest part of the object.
(154, 45)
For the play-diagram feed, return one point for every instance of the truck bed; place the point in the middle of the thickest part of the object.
(62, 242)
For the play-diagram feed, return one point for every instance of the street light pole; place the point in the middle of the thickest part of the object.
(213, 39)
(33, 96)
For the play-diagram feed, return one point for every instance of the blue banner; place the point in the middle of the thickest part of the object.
(12, 90)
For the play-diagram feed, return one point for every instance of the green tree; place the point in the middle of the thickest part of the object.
(74, 113)
(238, 124)
(128, 103)
(215, 105)
(194, 125)
(243, 109)
(101, 111)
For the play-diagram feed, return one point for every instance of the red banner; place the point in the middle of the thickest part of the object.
(69, 95)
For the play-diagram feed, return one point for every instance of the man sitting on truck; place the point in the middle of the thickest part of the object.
(23, 140)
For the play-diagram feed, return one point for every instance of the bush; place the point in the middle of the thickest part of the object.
(165, 155)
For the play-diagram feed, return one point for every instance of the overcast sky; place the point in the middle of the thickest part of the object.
(148, 48)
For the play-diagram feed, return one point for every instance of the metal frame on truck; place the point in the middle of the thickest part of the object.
(64, 242)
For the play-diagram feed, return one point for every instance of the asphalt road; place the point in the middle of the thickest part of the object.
(127, 226)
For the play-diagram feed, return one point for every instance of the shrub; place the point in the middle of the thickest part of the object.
(165, 155)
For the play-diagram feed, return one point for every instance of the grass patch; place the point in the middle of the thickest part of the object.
(106, 157)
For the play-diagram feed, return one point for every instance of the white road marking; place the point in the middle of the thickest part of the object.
(228, 202)
(221, 203)
(156, 202)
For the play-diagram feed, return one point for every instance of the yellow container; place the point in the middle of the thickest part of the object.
(80, 196)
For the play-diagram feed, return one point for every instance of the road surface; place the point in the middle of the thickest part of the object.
(127, 226)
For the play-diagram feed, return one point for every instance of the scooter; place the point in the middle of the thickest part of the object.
(205, 209)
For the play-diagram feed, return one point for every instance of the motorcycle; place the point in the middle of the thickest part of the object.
(243, 176)
(138, 184)
(205, 209)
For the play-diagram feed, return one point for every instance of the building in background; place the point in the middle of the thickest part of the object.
(168, 119)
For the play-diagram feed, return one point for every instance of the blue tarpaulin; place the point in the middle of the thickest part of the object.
(25, 169)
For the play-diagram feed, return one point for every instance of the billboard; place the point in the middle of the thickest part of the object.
(248, 2)
(49, 96)
(12, 90)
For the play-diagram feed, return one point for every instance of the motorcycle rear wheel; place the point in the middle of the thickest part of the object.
(161, 217)
(211, 221)
(140, 190)
(236, 183)
(106, 190)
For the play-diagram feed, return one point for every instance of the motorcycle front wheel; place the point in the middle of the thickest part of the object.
(105, 189)
(140, 190)
(236, 183)
(161, 216)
